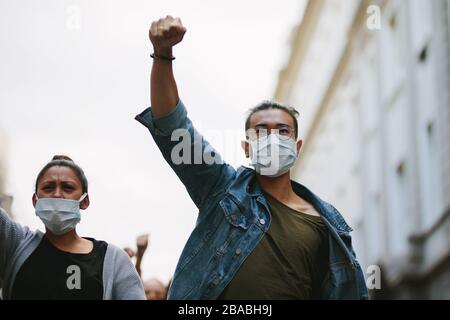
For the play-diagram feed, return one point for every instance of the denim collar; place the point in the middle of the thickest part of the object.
(246, 177)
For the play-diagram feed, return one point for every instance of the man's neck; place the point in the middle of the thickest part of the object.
(280, 187)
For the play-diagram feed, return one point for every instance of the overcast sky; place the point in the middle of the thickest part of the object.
(75, 73)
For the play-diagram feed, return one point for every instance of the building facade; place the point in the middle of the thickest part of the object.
(371, 80)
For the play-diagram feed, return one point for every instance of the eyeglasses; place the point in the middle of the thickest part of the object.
(283, 131)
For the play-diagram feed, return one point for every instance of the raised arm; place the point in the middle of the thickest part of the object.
(11, 234)
(141, 245)
(164, 35)
(193, 159)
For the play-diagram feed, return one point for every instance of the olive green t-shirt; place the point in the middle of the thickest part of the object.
(290, 262)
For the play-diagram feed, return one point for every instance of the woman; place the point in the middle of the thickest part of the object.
(60, 264)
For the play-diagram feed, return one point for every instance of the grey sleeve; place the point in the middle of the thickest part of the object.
(11, 235)
(127, 284)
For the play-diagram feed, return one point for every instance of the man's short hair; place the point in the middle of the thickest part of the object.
(266, 105)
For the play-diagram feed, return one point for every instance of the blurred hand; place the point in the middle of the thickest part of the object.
(130, 252)
(166, 33)
(142, 243)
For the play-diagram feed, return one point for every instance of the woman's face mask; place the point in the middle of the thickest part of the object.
(59, 215)
(272, 156)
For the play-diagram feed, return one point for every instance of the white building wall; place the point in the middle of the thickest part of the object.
(379, 149)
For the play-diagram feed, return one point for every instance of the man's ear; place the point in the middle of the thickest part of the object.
(299, 145)
(245, 147)
(85, 203)
(34, 200)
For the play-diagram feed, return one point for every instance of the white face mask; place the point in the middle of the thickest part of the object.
(272, 156)
(59, 215)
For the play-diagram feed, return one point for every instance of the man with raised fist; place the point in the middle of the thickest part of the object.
(259, 235)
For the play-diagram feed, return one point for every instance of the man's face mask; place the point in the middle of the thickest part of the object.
(59, 215)
(273, 155)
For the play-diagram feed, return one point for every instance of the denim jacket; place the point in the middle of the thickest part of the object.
(234, 216)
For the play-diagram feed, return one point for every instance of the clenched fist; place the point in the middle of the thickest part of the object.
(142, 243)
(166, 33)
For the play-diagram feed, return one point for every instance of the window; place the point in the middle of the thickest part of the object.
(430, 184)
(374, 229)
(400, 220)
(423, 54)
(392, 50)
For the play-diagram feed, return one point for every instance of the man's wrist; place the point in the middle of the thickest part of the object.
(164, 58)
(164, 52)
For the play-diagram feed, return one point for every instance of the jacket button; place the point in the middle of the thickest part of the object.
(262, 221)
(238, 251)
(216, 282)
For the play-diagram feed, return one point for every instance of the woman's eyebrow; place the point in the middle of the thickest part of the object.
(266, 125)
(283, 124)
(53, 182)
(69, 182)
(48, 182)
